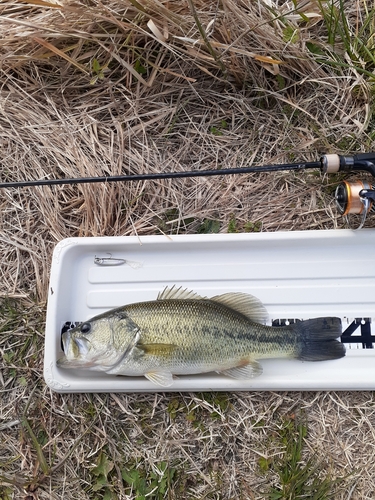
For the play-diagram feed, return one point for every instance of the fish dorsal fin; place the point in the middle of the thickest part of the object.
(179, 293)
(244, 303)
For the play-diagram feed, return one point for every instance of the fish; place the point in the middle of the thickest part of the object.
(183, 333)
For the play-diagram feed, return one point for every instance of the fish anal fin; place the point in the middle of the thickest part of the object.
(163, 378)
(155, 349)
(178, 293)
(244, 303)
(244, 371)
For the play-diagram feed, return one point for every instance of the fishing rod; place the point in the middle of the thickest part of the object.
(327, 164)
(350, 199)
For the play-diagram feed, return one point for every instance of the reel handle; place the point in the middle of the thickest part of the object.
(368, 193)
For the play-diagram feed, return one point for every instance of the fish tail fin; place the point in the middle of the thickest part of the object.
(318, 339)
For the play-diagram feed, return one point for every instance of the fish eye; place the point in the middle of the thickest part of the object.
(85, 327)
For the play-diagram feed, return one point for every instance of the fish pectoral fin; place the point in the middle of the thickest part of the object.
(163, 350)
(251, 369)
(165, 379)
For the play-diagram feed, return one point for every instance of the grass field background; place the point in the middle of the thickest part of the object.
(92, 88)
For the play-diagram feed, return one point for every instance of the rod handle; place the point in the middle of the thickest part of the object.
(332, 163)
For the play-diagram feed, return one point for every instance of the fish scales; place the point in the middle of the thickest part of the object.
(182, 333)
(208, 331)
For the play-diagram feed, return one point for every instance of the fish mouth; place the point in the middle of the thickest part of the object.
(70, 358)
(75, 352)
(74, 358)
(65, 337)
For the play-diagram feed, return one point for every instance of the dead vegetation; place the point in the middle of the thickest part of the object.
(93, 88)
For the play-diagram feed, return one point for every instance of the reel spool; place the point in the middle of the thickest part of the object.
(355, 198)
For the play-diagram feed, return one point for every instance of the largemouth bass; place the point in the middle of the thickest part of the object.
(183, 333)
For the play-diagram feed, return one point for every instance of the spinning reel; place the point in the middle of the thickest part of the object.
(353, 198)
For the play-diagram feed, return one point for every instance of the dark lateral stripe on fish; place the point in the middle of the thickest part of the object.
(314, 330)
(274, 335)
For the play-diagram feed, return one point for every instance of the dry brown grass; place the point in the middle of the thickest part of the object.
(101, 88)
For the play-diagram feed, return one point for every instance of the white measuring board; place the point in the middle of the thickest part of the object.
(297, 275)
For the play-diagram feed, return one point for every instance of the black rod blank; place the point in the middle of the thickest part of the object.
(162, 175)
